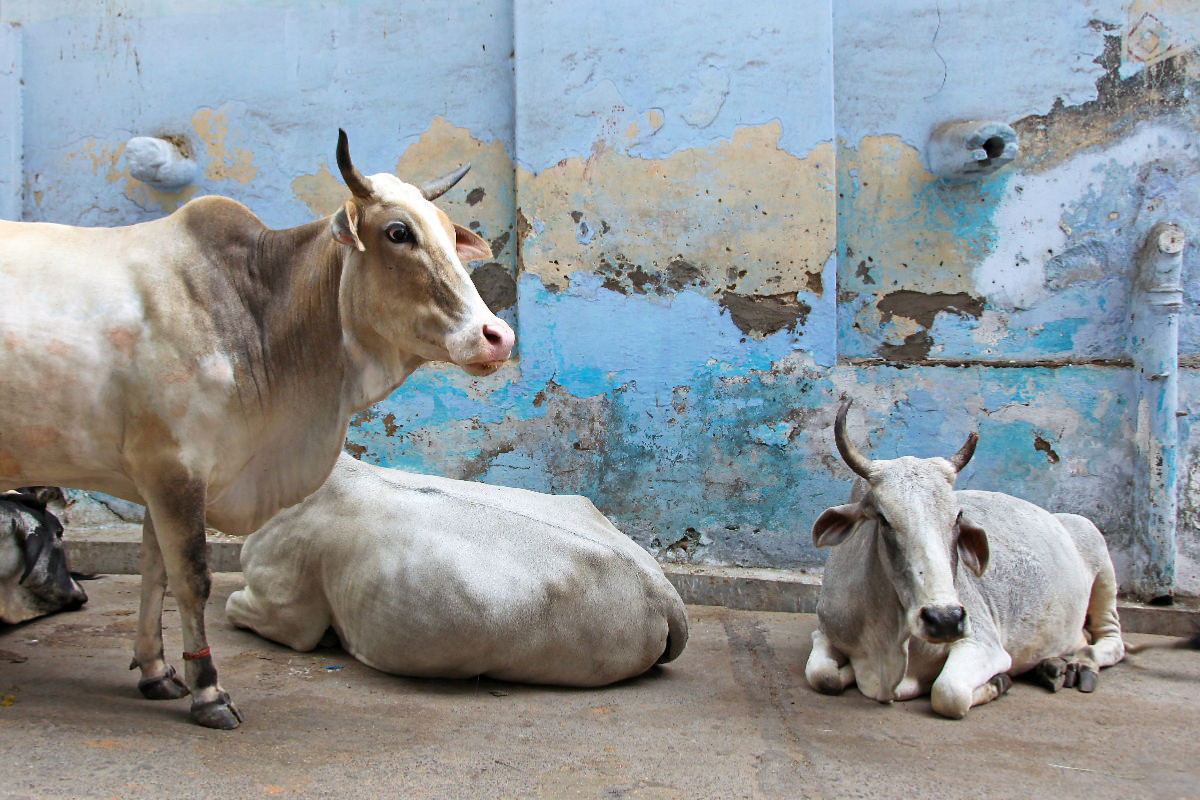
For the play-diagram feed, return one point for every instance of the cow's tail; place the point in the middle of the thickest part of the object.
(1190, 643)
(677, 629)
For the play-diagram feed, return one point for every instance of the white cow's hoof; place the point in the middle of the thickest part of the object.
(1051, 673)
(1002, 683)
(220, 713)
(168, 686)
(1082, 676)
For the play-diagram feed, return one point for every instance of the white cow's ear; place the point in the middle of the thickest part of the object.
(345, 226)
(836, 524)
(470, 246)
(973, 546)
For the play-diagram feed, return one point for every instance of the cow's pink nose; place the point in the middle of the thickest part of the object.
(500, 339)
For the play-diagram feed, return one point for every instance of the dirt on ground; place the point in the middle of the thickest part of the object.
(732, 718)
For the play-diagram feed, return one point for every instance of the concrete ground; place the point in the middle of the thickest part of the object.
(732, 718)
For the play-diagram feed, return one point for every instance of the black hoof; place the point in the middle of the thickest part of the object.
(220, 713)
(164, 687)
(1082, 676)
(1002, 683)
(1051, 673)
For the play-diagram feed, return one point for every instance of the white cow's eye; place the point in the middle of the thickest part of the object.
(398, 233)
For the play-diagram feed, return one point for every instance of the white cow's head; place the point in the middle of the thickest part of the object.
(922, 538)
(405, 253)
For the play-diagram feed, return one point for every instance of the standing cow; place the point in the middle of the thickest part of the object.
(207, 367)
(933, 589)
(34, 578)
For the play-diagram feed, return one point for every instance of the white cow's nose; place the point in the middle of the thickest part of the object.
(499, 338)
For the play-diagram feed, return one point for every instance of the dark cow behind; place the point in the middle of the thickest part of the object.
(34, 577)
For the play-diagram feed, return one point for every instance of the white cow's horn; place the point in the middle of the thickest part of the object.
(854, 459)
(350, 174)
(960, 459)
(439, 186)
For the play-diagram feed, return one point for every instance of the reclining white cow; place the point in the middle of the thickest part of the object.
(429, 576)
(933, 589)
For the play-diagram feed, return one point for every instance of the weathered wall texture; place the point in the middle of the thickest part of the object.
(709, 226)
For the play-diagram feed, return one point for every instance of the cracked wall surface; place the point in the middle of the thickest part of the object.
(707, 229)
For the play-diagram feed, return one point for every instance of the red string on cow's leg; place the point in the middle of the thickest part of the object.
(179, 514)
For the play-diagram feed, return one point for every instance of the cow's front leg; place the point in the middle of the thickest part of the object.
(828, 670)
(159, 681)
(178, 508)
(975, 673)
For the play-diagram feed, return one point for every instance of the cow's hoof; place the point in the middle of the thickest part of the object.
(164, 687)
(1051, 673)
(1002, 683)
(220, 713)
(1082, 676)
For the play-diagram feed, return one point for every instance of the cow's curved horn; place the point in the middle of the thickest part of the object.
(439, 186)
(854, 459)
(350, 174)
(960, 459)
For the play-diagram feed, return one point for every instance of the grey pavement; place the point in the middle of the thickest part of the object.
(732, 718)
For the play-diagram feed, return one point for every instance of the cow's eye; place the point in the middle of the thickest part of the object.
(882, 519)
(398, 233)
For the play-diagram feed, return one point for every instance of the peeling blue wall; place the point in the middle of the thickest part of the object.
(709, 227)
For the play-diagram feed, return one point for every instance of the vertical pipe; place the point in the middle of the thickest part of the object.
(12, 176)
(1157, 300)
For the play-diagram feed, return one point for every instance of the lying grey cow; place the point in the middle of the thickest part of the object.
(933, 589)
(429, 576)
(34, 579)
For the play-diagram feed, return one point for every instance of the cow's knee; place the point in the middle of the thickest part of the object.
(952, 699)
(825, 677)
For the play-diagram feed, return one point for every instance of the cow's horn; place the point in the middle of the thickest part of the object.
(439, 186)
(350, 174)
(960, 459)
(854, 459)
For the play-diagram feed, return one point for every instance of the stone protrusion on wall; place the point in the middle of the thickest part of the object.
(162, 164)
(960, 152)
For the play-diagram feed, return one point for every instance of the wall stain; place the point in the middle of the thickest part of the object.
(765, 315)
(923, 307)
(1042, 446)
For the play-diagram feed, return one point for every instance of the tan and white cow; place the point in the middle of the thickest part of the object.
(208, 367)
(931, 589)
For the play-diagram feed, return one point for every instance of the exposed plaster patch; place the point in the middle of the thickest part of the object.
(742, 205)
(224, 163)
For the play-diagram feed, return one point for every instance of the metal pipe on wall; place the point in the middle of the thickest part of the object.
(1157, 300)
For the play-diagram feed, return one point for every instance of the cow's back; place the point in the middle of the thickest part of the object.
(1035, 590)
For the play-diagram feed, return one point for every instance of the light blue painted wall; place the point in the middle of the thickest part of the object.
(706, 441)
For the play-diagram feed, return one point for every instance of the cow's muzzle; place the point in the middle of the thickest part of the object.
(942, 624)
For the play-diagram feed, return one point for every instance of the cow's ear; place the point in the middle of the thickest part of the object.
(973, 546)
(837, 523)
(345, 226)
(470, 246)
